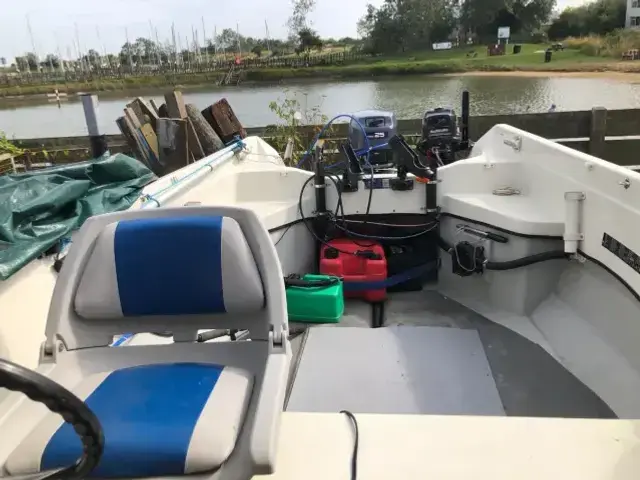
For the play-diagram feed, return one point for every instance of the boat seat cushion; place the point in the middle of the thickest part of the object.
(158, 420)
(169, 266)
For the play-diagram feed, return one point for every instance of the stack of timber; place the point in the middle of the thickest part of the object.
(169, 136)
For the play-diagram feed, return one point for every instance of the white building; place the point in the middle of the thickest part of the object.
(633, 14)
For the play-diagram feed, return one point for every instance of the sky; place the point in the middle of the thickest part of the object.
(102, 23)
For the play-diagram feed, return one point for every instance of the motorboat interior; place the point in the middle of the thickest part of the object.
(505, 322)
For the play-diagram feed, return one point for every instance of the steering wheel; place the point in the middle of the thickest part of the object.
(73, 410)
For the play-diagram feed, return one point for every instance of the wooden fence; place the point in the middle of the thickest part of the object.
(170, 69)
(599, 132)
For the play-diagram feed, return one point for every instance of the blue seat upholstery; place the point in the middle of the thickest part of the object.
(158, 420)
(170, 266)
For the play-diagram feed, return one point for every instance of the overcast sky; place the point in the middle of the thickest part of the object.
(53, 22)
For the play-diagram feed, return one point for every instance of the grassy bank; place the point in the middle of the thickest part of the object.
(454, 61)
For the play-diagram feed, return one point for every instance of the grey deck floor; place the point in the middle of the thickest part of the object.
(528, 381)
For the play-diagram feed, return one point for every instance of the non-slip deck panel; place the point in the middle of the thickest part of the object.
(416, 370)
(530, 382)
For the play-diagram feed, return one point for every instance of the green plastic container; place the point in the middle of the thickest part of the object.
(317, 304)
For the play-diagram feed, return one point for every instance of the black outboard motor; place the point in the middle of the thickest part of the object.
(440, 127)
(444, 134)
(380, 127)
(440, 135)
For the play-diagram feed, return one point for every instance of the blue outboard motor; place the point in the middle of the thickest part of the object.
(380, 127)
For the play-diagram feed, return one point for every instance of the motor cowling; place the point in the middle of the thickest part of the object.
(379, 126)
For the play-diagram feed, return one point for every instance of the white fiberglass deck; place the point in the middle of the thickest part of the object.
(434, 356)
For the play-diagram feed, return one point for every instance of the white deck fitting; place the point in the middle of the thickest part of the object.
(417, 370)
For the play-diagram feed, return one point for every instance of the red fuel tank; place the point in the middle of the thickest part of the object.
(337, 259)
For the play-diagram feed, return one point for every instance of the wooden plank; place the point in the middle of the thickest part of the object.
(130, 115)
(177, 109)
(152, 140)
(221, 117)
(547, 125)
(623, 122)
(622, 152)
(63, 142)
(155, 107)
(172, 143)
(195, 147)
(136, 106)
(127, 132)
(148, 111)
(175, 105)
(162, 111)
(138, 143)
(597, 131)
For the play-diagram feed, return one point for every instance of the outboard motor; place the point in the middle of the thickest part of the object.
(445, 136)
(440, 134)
(380, 127)
(440, 127)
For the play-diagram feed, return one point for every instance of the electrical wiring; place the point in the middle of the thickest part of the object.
(305, 221)
(338, 216)
(282, 236)
(356, 441)
(379, 237)
(327, 126)
(382, 224)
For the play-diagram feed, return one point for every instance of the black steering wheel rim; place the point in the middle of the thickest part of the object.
(61, 401)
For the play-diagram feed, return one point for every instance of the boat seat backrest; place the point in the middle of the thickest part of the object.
(177, 270)
(171, 266)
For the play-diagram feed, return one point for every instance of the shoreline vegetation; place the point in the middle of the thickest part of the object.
(460, 61)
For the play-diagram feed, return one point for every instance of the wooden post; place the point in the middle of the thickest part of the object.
(97, 140)
(177, 109)
(173, 143)
(598, 131)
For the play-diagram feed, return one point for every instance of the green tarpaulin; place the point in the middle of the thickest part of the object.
(39, 208)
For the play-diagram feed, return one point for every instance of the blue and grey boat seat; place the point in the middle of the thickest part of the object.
(207, 410)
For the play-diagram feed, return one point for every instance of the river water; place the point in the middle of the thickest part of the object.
(407, 97)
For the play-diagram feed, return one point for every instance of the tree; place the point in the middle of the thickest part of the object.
(298, 20)
(50, 60)
(32, 59)
(128, 54)
(228, 39)
(92, 58)
(21, 64)
(3, 61)
(598, 17)
(483, 17)
(308, 39)
(142, 51)
(401, 25)
(257, 50)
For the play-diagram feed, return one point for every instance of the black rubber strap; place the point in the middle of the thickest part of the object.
(73, 410)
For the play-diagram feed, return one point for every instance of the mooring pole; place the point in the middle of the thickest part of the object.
(96, 139)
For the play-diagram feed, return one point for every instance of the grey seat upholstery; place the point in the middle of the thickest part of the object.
(167, 410)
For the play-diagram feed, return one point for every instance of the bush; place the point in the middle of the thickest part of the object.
(613, 44)
(620, 41)
(590, 45)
